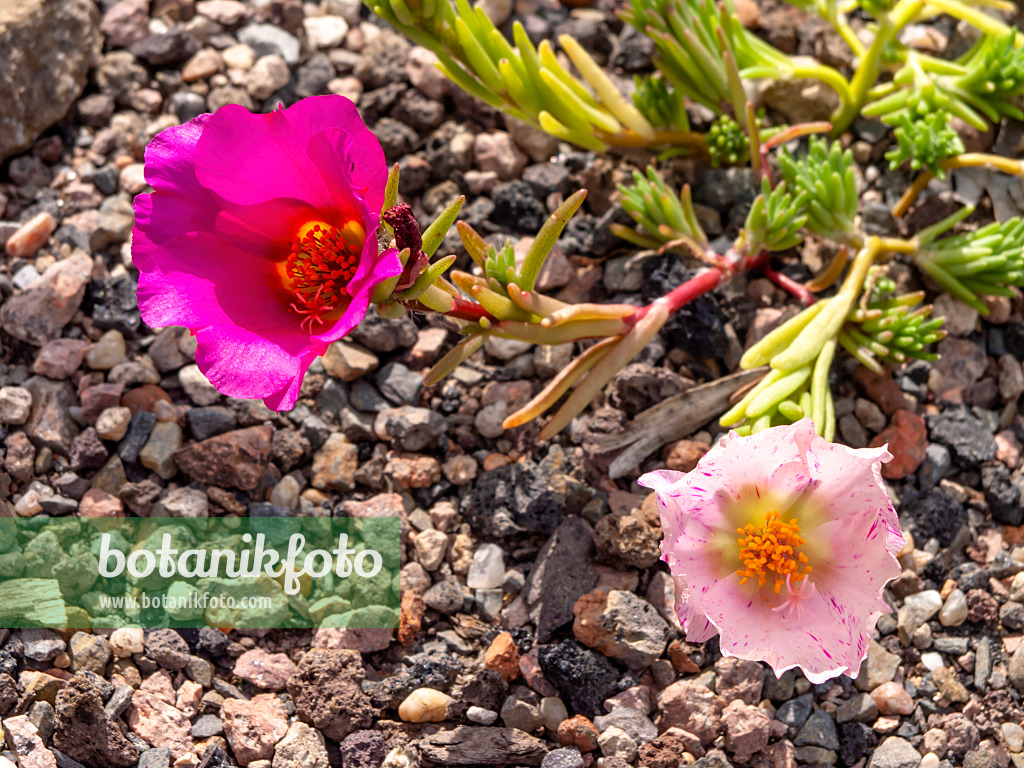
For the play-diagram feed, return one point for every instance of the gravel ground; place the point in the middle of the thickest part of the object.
(537, 624)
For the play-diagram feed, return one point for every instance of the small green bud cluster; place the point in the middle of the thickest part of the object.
(727, 142)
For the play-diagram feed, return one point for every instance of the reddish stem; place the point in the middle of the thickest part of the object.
(790, 285)
(706, 281)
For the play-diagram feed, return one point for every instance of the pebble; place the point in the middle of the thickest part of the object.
(487, 571)
(425, 705)
(112, 423)
(31, 236)
(301, 747)
(239, 57)
(15, 405)
(107, 352)
(158, 452)
(932, 660)
(616, 743)
(496, 151)
(916, 610)
(907, 438)
(41, 644)
(621, 625)
(1013, 736)
(334, 465)
(269, 39)
(503, 655)
(126, 641)
(198, 388)
(892, 699)
(160, 723)
(60, 358)
(954, 610)
(489, 419)
(269, 74)
(269, 671)
(325, 31)
(1015, 669)
(23, 739)
(553, 712)
(226, 12)
(481, 716)
(348, 361)
(460, 470)
(183, 502)
(203, 65)
(286, 493)
(97, 503)
(253, 727)
(895, 752)
(430, 548)
(521, 710)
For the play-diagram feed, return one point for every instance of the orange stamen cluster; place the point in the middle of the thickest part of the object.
(772, 548)
(319, 267)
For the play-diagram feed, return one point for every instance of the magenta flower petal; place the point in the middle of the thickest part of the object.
(782, 543)
(261, 237)
(170, 166)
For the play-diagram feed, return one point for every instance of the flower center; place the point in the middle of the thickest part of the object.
(772, 549)
(322, 261)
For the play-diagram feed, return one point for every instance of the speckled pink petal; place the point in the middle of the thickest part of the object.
(696, 624)
(838, 495)
(830, 632)
(748, 628)
(850, 480)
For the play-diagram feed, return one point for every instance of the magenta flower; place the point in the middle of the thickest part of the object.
(261, 237)
(782, 543)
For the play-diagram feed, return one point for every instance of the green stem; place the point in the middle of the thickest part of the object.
(974, 17)
(869, 67)
(849, 36)
(827, 75)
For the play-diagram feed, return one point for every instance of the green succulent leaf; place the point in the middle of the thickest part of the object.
(696, 43)
(774, 220)
(891, 328)
(501, 265)
(825, 175)
(925, 142)
(994, 76)
(986, 262)
(665, 215)
(660, 103)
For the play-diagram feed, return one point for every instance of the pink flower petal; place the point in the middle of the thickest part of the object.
(233, 192)
(371, 273)
(750, 629)
(821, 623)
(182, 205)
(249, 344)
(353, 167)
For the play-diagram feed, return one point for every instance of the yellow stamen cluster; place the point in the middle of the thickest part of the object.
(771, 548)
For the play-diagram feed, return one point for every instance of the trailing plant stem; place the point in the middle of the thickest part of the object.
(870, 64)
(966, 160)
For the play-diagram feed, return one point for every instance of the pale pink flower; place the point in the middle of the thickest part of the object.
(781, 542)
